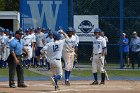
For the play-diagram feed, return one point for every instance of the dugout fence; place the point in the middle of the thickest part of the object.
(115, 17)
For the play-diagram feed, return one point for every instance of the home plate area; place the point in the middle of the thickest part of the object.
(76, 87)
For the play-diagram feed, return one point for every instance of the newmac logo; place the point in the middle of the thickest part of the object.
(86, 26)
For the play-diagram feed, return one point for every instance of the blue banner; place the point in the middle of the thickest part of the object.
(44, 13)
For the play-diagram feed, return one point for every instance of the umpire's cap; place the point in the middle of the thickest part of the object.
(56, 35)
(97, 30)
(19, 32)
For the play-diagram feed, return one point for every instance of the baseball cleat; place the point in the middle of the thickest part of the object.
(102, 83)
(52, 81)
(57, 88)
(67, 83)
(94, 83)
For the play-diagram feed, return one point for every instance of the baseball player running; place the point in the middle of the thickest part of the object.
(68, 53)
(54, 54)
(97, 58)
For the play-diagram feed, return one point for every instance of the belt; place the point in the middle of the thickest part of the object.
(57, 59)
(27, 45)
(97, 54)
(18, 55)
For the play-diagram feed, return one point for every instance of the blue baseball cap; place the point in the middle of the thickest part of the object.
(7, 30)
(1, 29)
(20, 29)
(43, 29)
(38, 28)
(27, 30)
(97, 30)
(31, 28)
(70, 29)
(56, 35)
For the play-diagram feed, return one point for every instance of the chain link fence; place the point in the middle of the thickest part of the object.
(109, 22)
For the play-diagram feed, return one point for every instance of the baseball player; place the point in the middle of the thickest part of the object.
(27, 45)
(48, 39)
(97, 58)
(54, 54)
(8, 40)
(68, 53)
(39, 44)
(2, 45)
(76, 48)
(31, 31)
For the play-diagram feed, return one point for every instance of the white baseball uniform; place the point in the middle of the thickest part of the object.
(54, 54)
(8, 46)
(33, 41)
(3, 43)
(39, 38)
(68, 52)
(27, 45)
(97, 61)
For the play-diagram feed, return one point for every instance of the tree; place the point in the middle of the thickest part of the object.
(2, 5)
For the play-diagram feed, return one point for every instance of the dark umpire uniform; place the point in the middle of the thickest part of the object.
(14, 60)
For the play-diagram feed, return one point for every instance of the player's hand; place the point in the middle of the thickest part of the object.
(16, 61)
(61, 31)
(91, 58)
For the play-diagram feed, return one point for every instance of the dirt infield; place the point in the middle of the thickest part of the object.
(76, 87)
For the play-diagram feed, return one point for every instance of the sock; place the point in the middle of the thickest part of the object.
(41, 62)
(95, 76)
(56, 78)
(66, 75)
(27, 62)
(2, 61)
(102, 77)
(69, 72)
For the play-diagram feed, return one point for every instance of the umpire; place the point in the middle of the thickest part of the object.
(14, 60)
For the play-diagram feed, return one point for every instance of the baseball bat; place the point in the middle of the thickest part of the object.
(106, 75)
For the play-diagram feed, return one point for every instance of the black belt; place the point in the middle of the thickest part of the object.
(18, 55)
(97, 54)
(57, 59)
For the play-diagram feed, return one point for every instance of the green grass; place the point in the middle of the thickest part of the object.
(125, 73)
(4, 73)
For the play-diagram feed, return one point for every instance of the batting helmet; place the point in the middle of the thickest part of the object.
(97, 30)
(56, 35)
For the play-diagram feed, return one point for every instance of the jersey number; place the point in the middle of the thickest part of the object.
(55, 48)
